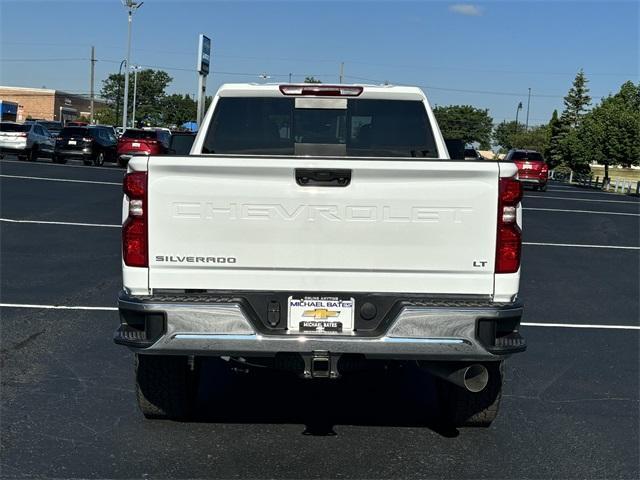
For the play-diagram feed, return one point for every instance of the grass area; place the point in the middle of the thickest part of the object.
(628, 174)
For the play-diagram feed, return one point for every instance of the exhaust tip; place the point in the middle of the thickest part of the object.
(476, 378)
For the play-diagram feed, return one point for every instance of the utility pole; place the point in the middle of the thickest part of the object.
(131, 7)
(289, 78)
(341, 71)
(93, 72)
(528, 103)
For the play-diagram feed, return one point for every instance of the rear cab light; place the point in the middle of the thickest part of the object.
(135, 229)
(508, 235)
(322, 90)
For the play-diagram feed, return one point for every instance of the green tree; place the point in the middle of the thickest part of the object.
(610, 133)
(149, 96)
(504, 133)
(577, 101)
(106, 116)
(178, 109)
(536, 138)
(466, 123)
(311, 80)
(557, 131)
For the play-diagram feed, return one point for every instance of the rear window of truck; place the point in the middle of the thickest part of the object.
(365, 128)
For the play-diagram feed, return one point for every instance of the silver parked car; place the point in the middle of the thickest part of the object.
(26, 140)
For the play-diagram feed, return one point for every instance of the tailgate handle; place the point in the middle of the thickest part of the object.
(322, 177)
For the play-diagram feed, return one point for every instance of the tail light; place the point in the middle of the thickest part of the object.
(134, 231)
(509, 235)
(544, 170)
(22, 134)
(321, 90)
(86, 139)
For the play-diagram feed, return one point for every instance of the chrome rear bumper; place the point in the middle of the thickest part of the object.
(416, 332)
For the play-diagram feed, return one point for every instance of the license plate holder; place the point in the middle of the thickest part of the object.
(135, 144)
(72, 142)
(320, 315)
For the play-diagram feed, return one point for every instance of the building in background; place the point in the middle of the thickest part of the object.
(47, 104)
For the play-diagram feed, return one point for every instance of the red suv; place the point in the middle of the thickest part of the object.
(142, 142)
(532, 168)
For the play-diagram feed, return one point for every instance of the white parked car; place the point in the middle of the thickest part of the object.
(26, 140)
(321, 229)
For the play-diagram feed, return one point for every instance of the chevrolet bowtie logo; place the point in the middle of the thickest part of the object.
(320, 313)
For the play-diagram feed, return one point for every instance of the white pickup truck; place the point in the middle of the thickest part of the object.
(321, 229)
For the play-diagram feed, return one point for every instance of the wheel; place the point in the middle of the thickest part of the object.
(33, 153)
(543, 188)
(86, 162)
(98, 161)
(122, 163)
(165, 386)
(22, 158)
(535, 188)
(58, 159)
(462, 408)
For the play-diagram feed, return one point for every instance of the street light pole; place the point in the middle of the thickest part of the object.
(528, 102)
(131, 6)
(118, 95)
(135, 69)
(518, 111)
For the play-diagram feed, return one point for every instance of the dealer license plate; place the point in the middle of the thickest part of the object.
(135, 144)
(72, 142)
(321, 314)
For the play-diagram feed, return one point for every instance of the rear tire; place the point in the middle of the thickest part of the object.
(462, 408)
(87, 162)
(98, 161)
(165, 386)
(122, 163)
(58, 159)
(543, 188)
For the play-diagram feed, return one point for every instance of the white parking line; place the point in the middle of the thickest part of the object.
(57, 307)
(74, 224)
(579, 199)
(582, 211)
(579, 246)
(113, 309)
(62, 165)
(581, 192)
(577, 325)
(61, 180)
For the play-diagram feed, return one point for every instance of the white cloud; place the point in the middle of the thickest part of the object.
(466, 9)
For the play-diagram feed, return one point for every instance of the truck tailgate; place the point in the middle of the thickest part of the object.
(228, 223)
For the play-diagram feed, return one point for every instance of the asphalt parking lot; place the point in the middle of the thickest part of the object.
(571, 404)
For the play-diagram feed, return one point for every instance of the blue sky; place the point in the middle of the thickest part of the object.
(485, 54)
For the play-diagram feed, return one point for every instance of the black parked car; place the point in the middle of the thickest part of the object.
(94, 144)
